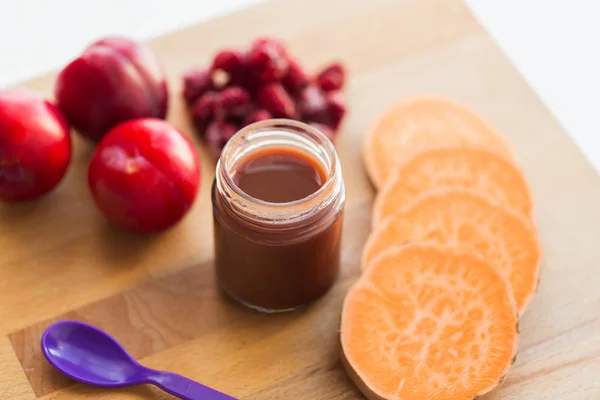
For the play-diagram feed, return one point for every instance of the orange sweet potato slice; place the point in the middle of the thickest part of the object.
(424, 122)
(465, 218)
(478, 169)
(428, 322)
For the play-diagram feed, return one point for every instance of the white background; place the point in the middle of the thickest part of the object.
(554, 43)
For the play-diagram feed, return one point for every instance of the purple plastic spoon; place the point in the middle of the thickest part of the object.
(89, 355)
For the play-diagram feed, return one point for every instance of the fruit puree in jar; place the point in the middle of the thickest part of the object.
(283, 263)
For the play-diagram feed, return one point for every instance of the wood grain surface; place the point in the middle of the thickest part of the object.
(59, 259)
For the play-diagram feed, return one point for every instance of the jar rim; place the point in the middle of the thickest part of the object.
(283, 125)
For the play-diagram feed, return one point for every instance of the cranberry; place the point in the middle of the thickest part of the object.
(205, 109)
(35, 145)
(296, 78)
(144, 175)
(196, 82)
(332, 77)
(229, 68)
(112, 81)
(235, 101)
(255, 116)
(230, 61)
(313, 105)
(218, 134)
(268, 60)
(277, 101)
(336, 106)
(327, 131)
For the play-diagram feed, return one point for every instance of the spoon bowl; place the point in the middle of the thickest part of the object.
(87, 354)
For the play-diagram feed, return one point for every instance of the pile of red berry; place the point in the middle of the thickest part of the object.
(264, 82)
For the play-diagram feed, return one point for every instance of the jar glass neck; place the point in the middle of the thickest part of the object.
(279, 133)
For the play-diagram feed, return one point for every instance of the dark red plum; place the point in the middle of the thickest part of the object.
(144, 175)
(112, 81)
(35, 145)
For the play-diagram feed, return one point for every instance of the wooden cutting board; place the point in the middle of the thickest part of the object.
(59, 259)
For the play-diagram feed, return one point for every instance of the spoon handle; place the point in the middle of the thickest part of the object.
(185, 388)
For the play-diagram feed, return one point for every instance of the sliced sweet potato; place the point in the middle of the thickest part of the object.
(478, 169)
(465, 218)
(428, 322)
(424, 122)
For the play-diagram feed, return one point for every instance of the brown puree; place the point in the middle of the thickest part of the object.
(279, 175)
(269, 267)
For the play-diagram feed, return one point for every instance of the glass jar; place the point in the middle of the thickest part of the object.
(277, 256)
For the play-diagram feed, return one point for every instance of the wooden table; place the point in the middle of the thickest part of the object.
(59, 259)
